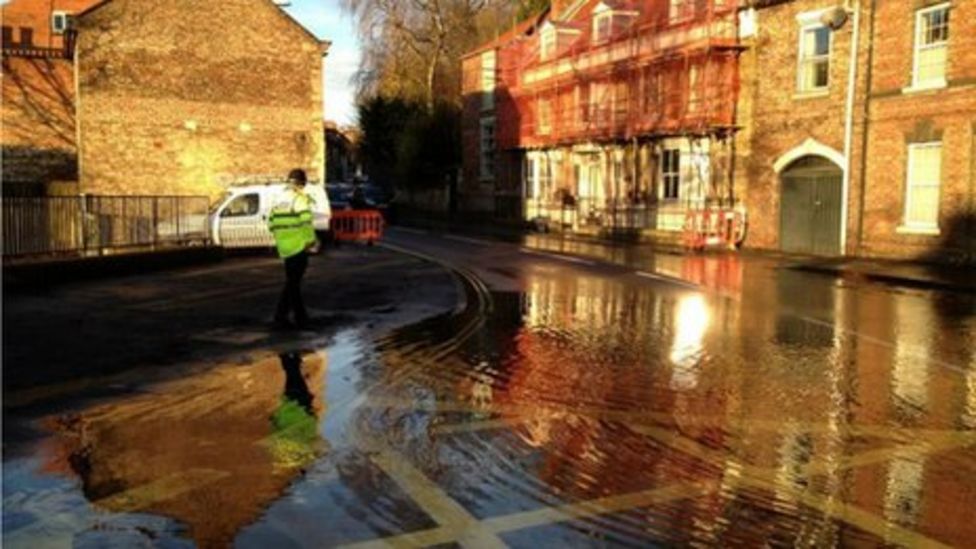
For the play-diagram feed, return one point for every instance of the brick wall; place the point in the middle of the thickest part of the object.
(37, 110)
(184, 97)
(38, 123)
(899, 117)
(36, 16)
(779, 119)
(888, 115)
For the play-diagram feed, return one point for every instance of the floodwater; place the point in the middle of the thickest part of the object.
(582, 410)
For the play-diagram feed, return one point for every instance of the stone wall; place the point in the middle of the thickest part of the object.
(185, 97)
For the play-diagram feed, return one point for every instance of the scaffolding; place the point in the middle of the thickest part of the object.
(649, 70)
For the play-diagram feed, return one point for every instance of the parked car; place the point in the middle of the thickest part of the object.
(240, 219)
(340, 195)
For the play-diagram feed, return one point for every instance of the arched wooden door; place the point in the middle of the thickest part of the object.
(810, 207)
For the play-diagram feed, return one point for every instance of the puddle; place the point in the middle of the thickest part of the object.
(583, 410)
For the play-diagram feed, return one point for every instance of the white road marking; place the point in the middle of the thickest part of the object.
(679, 282)
(468, 240)
(571, 259)
(412, 231)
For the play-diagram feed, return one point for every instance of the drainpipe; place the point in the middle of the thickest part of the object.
(849, 123)
(865, 122)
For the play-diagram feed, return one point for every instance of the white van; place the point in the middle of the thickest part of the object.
(240, 219)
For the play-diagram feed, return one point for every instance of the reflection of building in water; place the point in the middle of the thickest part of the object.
(903, 489)
(914, 324)
(800, 303)
(969, 413)
(210, 450)
(691, 322)
(600, 343)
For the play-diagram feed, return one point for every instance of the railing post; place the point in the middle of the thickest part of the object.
(155, 221)
(83, 209)
(179, 228)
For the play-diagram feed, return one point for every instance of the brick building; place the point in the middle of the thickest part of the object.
(866, 154)
(176, 97)
(38, 108)
(605, 116)
(839, 127)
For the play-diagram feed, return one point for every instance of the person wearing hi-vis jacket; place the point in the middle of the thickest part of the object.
(291, 224)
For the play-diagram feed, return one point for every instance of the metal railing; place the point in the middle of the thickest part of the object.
(609, 214)
(96, 225)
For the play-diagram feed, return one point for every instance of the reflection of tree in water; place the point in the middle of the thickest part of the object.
(211, 450)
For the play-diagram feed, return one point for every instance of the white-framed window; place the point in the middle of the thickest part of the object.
(600, 103)
(670, 174)
(922, 186)
(59, 22)
(547, 44)
(540, 176)
(602, 26)
(931, 46)
(813, 62)
(544, 116)
(545, 177)
(679, 10)
(694, 89)
(488, 66)
(487, 148)
(621, 101)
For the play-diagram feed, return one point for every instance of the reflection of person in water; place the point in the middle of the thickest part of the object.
(294, 435)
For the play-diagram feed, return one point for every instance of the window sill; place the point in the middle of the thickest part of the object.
(925, 231)
(812, 94)
(919, 88)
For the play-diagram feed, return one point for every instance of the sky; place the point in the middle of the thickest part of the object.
(328, 21)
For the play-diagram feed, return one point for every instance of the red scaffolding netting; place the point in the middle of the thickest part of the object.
(609, 71)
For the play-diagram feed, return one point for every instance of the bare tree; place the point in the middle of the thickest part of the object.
(410, 44)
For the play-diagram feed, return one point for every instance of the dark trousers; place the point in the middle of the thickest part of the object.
(291, 295)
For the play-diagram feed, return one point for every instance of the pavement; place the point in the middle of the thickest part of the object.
(907, 273)
(584, 395)
(92, 334)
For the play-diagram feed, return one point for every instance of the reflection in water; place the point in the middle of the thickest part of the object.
(903, 489)
(910, 371)
(294, 435)
(660, 416)
(969, 414)
(795, 454)
(201, 450)
(691, 322)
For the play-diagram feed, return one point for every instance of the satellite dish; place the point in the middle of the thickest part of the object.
(834, 18)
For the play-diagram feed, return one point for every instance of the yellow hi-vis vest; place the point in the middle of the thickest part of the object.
(291, 222)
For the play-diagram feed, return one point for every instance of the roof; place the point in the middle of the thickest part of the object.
(519, 29)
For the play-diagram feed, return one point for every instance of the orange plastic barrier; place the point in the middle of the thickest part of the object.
(357, 226)
(714, 227)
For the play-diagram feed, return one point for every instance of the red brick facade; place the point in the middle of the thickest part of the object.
(821, 148)
(587, 98)
(888, 115)
(38, 109)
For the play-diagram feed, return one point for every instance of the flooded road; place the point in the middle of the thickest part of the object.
(616, 398)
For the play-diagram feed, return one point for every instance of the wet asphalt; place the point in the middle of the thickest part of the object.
(546, 393)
